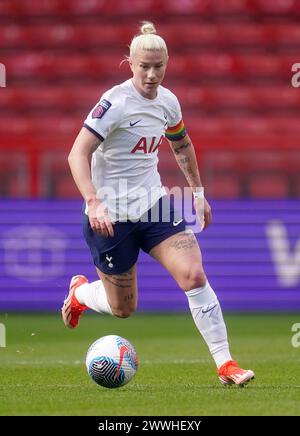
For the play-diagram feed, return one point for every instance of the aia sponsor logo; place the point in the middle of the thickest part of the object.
(147, 145)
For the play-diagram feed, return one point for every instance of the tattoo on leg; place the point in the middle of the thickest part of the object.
(128, 297)
(123, 280)
(115, 281)
(184, 242)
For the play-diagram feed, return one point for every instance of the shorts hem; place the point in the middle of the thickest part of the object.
(109, 272)
(163, 238)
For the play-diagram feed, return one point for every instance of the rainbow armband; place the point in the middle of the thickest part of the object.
(177, 132)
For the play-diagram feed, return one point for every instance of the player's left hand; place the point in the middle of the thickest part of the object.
(203, 211)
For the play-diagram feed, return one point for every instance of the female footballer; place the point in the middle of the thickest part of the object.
(114, 164)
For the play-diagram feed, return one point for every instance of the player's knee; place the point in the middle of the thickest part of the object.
(192, 278)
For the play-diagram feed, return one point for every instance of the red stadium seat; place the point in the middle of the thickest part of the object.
(123, 7)
(137, 7)
(243, 34)
(89, 7)
(194, 34)
(275, 6)
(45, 98)
(12, 35)
(186, 7)
(216, 34)
(57, 34)
(292, 161)
(204, 125)
(41, 65)
(55, 175)
(14, 172)
(10, 99)
(7, 9)
(50, 126)
(226, 125)
(110, 66)
(192, 67)
(74, 65)
(269, 186)
(230, 34)
(224, 186)
(210, 64)
(276, 97)
(86, 97)
(234, 97)
(288, 33)
(20, 127)
(288, 125)
(264, 161)
(20, 99)
(60, 98)
(56, 125)
(178, 66)
(247, 125)
(296, 188)
(272, 66)
(31, 36)
(38, 8)
(242, 141)
(35, 65)
(64, 187)
(230, 67)
(222, 174)
(54, 34)
(104, 35)
(229, 161)
(231, 7)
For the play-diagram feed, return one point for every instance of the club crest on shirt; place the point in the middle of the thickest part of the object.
(100, 110)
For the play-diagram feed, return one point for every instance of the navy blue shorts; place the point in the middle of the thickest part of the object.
(117, 254)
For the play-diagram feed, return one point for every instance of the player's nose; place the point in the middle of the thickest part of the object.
(151, 74)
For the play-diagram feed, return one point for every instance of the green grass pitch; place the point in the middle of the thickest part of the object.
(43, 372)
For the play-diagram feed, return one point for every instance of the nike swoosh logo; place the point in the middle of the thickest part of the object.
(133, 124)
(208, 310)
(175, 223)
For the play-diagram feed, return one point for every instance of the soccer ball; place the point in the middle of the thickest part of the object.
(111, 361)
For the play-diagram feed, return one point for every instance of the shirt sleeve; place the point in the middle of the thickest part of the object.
(104, 117)
(176, 129)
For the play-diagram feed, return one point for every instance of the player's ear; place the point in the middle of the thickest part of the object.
(166, 60)
(130, 63)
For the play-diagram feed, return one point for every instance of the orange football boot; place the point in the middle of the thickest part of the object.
(230, 373)
(72, 309)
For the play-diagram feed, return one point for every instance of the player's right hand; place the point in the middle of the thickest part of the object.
(99, 219)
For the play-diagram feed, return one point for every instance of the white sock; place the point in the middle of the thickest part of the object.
(93, 295)
(208, 318)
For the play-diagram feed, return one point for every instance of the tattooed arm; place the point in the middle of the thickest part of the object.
(185, 156)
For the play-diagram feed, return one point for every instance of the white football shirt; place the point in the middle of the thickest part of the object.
(131, 128)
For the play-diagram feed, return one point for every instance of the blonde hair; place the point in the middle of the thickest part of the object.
(147, 40)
